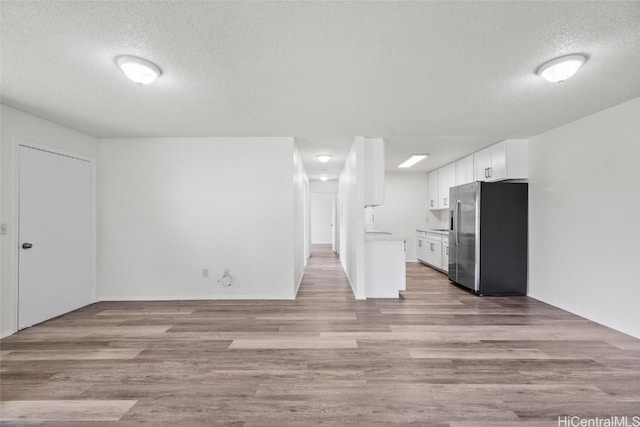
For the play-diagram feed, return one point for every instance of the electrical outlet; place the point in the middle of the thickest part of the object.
(226, 280)
(3, 229)
(205, 273)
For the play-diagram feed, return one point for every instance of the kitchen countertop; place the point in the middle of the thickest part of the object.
(382, 235)
(433, 230)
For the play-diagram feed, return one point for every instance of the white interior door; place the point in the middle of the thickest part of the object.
(55, 235)
(322, 218)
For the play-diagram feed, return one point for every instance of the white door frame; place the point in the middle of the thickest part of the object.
(21, 142)
(335, 231)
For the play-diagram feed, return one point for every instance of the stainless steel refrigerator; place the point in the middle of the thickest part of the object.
(488, 237)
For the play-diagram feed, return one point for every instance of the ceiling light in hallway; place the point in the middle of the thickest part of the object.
(137, 69)
(560, 69)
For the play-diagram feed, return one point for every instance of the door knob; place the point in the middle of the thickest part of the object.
(27, 245)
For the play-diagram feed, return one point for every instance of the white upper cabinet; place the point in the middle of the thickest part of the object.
(374, 171)
(433, 189)
(482, 161)
(446, 179)
(505, 160)
(465, 170)
(440, 180)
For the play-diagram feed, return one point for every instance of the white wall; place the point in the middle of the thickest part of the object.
(18, 127)
(323, 186)
(584, 206)
(351, 218)
(301, 239)
(170, 207)
(405, 208)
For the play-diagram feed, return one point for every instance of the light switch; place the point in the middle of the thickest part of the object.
(3, 229)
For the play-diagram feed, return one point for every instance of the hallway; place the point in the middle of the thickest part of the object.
(323, 277)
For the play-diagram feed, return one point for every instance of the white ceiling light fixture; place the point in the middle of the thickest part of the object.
(323, 158)
(324, 176)
(562, 68)
(137, 69)
(415, 158)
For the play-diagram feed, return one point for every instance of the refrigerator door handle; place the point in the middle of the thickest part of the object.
(457, 221)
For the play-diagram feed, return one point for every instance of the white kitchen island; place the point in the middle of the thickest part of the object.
(385, 268)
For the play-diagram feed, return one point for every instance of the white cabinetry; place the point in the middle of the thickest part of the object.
(433, 189)
(440, 180)
(505, 160)
(446, 179)
(482, 161)
(433, 250)
(373, 171)
(445, 253)
(421, 244)
(465, 170)
(385, 266)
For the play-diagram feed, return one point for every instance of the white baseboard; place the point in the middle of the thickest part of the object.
(192, 297)
(295, 292)
(588, 316)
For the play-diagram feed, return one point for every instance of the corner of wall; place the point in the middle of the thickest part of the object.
(20, 127)
(351, 212)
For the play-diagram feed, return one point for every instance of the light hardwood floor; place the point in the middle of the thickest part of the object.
(438, 356)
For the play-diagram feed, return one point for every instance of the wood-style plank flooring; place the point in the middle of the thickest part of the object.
(438, 356)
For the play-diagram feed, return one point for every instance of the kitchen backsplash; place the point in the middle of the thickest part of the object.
(436, 219)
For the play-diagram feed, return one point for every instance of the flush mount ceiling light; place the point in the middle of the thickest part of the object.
(137, 69)
(415, 158)
(324, 176)
(323, 158)
(560, 69)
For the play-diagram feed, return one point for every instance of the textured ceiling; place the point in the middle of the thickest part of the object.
(444, 78)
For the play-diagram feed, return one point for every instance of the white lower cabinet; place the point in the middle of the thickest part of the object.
(445, 253)
(433, 249)
(420, 245)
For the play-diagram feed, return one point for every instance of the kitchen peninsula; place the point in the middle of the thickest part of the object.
(385, 264)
